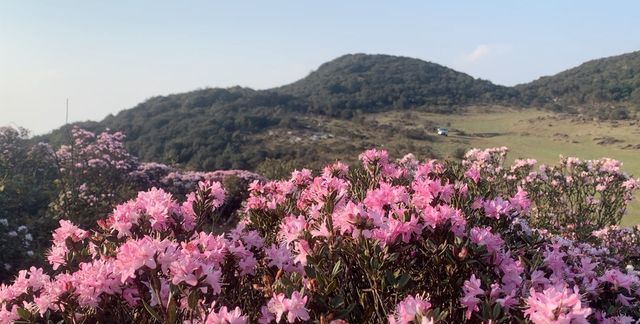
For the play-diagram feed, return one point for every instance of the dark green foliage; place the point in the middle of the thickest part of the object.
(382, 82)
(27, 173)
(221, 128)
(217, 128)
(599, 86)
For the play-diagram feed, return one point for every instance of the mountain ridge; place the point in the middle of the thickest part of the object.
(611, 83)
(218, 128)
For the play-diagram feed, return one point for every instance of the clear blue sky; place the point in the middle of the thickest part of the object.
(110, 55)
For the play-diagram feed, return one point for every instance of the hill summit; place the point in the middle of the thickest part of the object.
(381, 82)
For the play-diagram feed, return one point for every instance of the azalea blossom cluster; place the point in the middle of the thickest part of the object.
(81, 182)
(574, 197)
(98, 172)
(183, 182)
(396, 242)
(93, 169)
(146, 248)
(623, 241)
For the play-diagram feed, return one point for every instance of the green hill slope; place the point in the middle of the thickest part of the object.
(604, 87)
(305, 121)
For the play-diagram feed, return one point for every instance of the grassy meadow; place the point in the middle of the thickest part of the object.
(530, 133)
(540, 135)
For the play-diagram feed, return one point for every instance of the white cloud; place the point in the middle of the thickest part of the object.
(480, 52)
(482, 56)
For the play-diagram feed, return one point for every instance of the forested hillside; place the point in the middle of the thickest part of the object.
(610, 86)
(383, 82)
(244, 128)
(241, 127)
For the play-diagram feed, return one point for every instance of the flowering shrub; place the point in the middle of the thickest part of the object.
(180, 183)
(382, 242)
(94, 175)
(623, 242)
(572, 198)
(82, 181)
(98, 172)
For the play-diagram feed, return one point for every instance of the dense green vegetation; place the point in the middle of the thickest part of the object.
(608, 88)
(383, 82)
(302, 122)
(225, 128)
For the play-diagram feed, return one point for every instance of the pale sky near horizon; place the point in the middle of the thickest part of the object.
(110, 55)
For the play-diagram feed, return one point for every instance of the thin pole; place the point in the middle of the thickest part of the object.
(66, 118)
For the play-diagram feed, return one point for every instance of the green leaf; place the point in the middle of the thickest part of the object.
(336, 268)
(496, 311)
(172, 312)
(402, 280)
(393, 257)
(390, 277)
(24, 314)
(151, 311)
(337, 301)
(193, 299)
(310, 271)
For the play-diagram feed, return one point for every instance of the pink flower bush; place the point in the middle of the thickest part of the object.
(574, 197)
(98, 173)
(94, 170)
(224, 316)
(406, 242)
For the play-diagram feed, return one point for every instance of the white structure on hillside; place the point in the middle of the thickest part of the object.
(443, 131)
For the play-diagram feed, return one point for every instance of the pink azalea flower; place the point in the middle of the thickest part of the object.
(215, 190)
(266, 316)
(135, 254)
(470, 300)
(68, 230)
(280, 256)
(159, 206)
(555, 305)
(482, 236)
(496, 207)
(303, 249)
(94, 279)
(295, 307)
(617, 279)
(473, 173)
(410, 309)
(224, 316)
(291, 227)
(276, 306)
(9, 316)
(520, 201)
